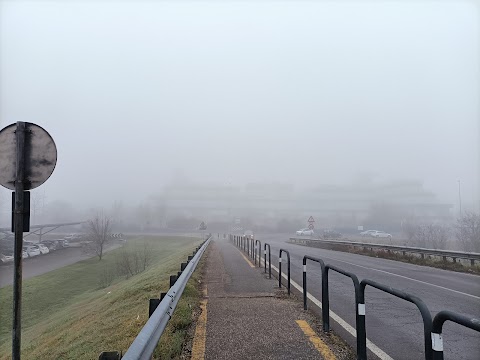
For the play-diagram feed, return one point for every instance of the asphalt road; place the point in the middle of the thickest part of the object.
(41, 264)
(394, 325)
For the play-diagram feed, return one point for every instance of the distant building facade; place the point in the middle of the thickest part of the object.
(331, 205)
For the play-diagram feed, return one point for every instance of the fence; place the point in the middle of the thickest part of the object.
(444, 254)
(432, 329)
(160, 311)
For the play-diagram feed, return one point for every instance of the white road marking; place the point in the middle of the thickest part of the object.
(370, 345)
(408, 278)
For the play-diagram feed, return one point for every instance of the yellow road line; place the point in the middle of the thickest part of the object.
(248, 261)
(200, 337)
(321, 347)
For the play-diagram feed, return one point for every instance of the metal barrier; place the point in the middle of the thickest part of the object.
(433, 342)
(426, 316)
(269, 260)
(403, 249)
(439, 320)
(359, 309)
(280, 269)
(325, 313)
(146, 341)
(258, 251)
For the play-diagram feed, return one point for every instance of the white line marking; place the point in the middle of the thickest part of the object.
(408, 278)
(370, 345)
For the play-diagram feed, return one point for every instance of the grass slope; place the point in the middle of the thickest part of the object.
(66, 315)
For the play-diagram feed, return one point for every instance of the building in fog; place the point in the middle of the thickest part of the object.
(345, 206)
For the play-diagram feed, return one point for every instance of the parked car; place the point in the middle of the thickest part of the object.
(32, 250)
(60, 243)
(248, 234)
(381, 234)
(367, 233)
(51, 245)
(5, 259)
(43, 249)
(305, 232)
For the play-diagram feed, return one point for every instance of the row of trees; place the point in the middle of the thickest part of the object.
(466, 230)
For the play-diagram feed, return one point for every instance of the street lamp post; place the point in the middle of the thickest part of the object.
(459, 198)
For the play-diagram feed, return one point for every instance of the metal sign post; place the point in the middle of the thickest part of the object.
(28, 156)
(311, 223)
(18, 228)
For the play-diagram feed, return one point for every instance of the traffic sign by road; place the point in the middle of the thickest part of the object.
(310, 226)
(311, 220)
(203, 226)
(39, 160)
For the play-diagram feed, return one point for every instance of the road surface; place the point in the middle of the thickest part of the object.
(42, 264)
(392, 324)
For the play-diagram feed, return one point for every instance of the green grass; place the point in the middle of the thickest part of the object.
(68, 314)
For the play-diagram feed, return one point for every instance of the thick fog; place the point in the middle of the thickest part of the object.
(138, 95)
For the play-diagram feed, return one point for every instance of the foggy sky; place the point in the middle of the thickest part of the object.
(307, 93)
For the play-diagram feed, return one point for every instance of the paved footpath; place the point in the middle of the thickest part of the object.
(247, 316)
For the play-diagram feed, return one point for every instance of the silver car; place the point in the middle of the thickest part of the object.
(305, 232)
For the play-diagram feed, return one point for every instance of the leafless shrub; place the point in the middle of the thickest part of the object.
(467, 231)
(132, 260)
(106, 276)
(433, 236)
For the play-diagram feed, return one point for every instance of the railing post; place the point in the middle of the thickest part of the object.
(304, 283)
(424, 311)
(269, 260)
(325, 301)
(280, 269)
(437, 325)
(259, 252)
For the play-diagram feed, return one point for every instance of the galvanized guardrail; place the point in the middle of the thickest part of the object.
(432, 329)
(146, 341)
(396, 248)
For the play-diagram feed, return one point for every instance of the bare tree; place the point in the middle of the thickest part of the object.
(467, 231)
(99, 229)
(433, 236)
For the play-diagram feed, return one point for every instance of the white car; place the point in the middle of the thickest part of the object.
(305, 232)
(43, 249)
(5, 259)
(368, 232)
(381, 234)
(32, 250)
(248, 234)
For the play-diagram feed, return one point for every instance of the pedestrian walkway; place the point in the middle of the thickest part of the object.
(245, 315)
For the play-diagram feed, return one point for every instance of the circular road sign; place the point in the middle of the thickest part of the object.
(40, 156)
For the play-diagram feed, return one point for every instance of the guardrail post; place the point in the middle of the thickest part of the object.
(325, 302)
(359, 311)
(173, 278)
(304, 283)
(152, 306)
(259, 252)
(437, 325)
(280, 269)
(426, 316)
(183, 266)
(269, 260)
(110, 355)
